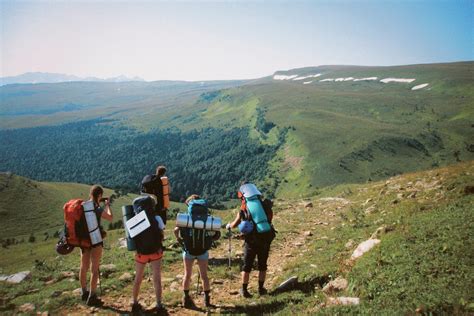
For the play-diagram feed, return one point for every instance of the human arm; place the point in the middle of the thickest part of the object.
(107, 213)
(176, 234)
(235, 222)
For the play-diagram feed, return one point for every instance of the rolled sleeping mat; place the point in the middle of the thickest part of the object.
(92, 224)
(128, 213)
(212, 223)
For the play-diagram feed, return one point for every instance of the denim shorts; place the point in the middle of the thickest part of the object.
(204, 256)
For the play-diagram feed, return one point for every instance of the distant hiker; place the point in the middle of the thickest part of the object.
(148, 242)
(254, 222)
(158, 185)
(196, 242)
(91, 255)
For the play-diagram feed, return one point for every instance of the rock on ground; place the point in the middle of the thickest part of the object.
(343, 300)
(126, 277)
(26, 308)
(288, 284)
(16, 278)
(364, 247)
(339, 284)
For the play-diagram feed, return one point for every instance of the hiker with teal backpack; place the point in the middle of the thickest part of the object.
(254, 222)
(196, 233)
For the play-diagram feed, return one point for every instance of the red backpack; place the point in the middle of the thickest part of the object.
(75, 225)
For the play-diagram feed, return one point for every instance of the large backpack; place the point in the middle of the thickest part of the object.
(252, 204)
(75, 225)
(197, 241)
(152, 184)
(150, 240)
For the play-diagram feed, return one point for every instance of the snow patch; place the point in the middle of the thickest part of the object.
(307, 82)
(366, 79)
(327, 80)
(284, 77)
(339, 79)
(348, 79)
(305, 77)
(387, 80)
(420, 86)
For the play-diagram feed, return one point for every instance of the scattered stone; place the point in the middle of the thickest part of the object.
(174, 286)
(56, 293)
(234, 292)
(349, 244)
(339, 284)
(126, 277)
(308, 233)
(239, 253)
(370, 209)
(122, 242)
(33, 291)
(108, 267)
(26, 308)
(288, 284)
(367, 201)
(308, 205)
(66, 293)
(298, 244)
(288, 255)
(412, 195)
(364, 247)
(335, 199)
(66, 275)
(16, 278)
(179, 277)
(343, 300)
(217, 282)
(313, 265)
(77, 292)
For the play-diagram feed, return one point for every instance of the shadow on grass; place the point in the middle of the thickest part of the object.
(259, 309)
(306, 287)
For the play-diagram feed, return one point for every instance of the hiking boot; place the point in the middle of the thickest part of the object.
(136, 307)
(85, 296)
(207, 302)
(93, 300)
(245, 293)
(188, 301)
(262, 291)
(160, 308)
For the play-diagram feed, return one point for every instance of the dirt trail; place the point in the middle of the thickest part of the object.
(286, 248)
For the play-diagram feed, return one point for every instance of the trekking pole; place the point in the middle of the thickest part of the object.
(230, 248)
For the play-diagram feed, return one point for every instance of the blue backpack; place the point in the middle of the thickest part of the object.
(197, 240)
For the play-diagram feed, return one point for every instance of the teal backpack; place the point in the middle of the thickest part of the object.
(250, 195)
(197, 241)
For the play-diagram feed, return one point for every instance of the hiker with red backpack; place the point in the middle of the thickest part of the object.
(196, 234)
(254, 222)
(92, 247)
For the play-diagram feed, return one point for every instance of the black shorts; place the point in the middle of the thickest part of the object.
(251, 251)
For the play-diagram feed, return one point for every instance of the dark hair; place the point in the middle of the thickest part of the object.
(160, 171)
(94, 193)
(192, 197)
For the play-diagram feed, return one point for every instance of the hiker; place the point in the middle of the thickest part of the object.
(158, 185)
(90, 256)
(149, 250)
(196, 243)
(254, 222)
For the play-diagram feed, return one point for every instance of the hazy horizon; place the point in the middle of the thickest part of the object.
(223, 40)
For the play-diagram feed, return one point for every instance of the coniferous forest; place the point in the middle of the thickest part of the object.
(210, 162)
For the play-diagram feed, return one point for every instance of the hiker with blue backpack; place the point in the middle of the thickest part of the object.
(196, 231)
(254, 222)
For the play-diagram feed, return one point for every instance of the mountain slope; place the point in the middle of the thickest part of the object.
(423, 262)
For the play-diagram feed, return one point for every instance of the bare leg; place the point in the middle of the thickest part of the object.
(188, 271)
(245, 277)
(156, 268)
(140, 270)
(203, 271)
(96, 254)
(85, 263)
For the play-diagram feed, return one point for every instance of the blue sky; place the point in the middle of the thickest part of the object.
(227, 39)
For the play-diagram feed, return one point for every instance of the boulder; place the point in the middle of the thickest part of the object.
(343, 300)
(122, 242)
(339, 284)
(308, 233)
(364, 247)
(308, 205)
(27, 308)
(16, 278)
(56, 293)
(126, 276)
(288, 284)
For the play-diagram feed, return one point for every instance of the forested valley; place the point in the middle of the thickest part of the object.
(210, 162)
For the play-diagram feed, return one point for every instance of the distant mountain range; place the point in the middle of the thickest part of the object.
(47, 77)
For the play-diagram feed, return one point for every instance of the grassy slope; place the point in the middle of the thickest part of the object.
(29, 206)
(424, 260)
